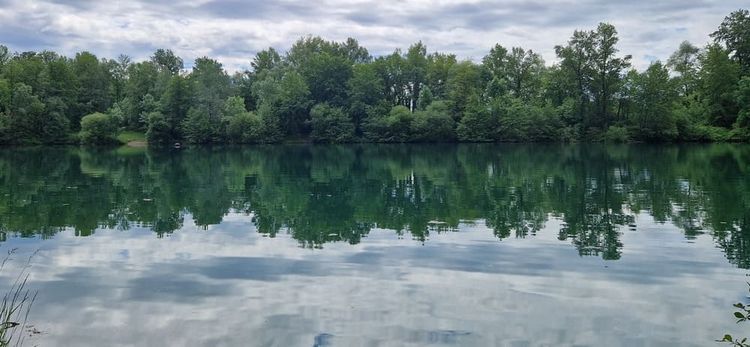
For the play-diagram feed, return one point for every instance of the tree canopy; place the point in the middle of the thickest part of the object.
(332, 91)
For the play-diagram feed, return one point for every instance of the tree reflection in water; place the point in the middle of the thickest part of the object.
(321, 194)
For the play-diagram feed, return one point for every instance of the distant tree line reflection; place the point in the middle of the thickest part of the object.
(321, 194)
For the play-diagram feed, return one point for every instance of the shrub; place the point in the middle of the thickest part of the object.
(246, 127)
(330, 124)
(394, 127)
(616, 134)
(159, 131)
(706, 133)
(434, 124)
(479, 124)
(98, 128)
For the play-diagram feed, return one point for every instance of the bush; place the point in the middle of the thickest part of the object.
(330, 124)
(271, 130)
(479, 124)
(159, 131)
(434, 124)
(616, 134)
(706, 133)
(98, 128)
(394, 127)
(246, 127)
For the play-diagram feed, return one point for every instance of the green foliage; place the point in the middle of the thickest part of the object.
(174, 105)
(434, 123)
(393, 127)
(742, 315)
(365, 90)
(511, 96)
(198, 126)
(734, 32)
(284, 100)
(127, 136)
(98, 128)
(233, 106)
(159, 130)
(246, 127)
(330, 124)
(616, 134)
(654, 96)
(478, 124)
(462, 85)
(25, 120)
(743, 103)
(719, 77)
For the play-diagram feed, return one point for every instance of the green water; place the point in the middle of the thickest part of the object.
(509, 245)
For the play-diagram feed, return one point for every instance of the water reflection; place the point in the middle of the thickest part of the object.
(323, 194)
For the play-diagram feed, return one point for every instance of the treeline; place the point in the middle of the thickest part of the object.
(337, 92)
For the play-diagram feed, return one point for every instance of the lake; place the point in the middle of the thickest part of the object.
(380, 245)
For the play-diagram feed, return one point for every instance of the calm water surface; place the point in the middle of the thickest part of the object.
(381, 245)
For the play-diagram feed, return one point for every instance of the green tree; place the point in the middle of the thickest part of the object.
(141, 81)
(98, 128)
(354, 52)
(173, 107)
(654, 96)
(718, 84)
(479, 123)
(265, 60)
(284, 100)
(463, 85)
(437, 71)
(392, 127)
(246, 127)
(607, 70)
(684, 61)
(210, 86)
(167, 62)
(576, 72)
(743, 102)
(92, 80)
(415, 72)
(330, 124)
(198, 126)
(159, 131)
(433, 124)
(326, 76)
(734, 32)
(364, 92)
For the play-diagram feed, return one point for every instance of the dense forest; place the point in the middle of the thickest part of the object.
(325, 91)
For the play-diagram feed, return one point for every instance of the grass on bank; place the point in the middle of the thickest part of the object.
(127, 136)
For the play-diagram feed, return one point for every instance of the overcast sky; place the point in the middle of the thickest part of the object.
(234, 30)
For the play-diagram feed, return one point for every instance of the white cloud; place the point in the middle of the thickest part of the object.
(233, 30)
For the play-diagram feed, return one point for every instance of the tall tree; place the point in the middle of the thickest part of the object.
(265, 60)
(416, 66)
(211, 86)
(92, 85)
(654, 94)
(684, 61)
(166, 61)
(734, 32)
(524, 73)
(719, 76)
(607, 69)
(577, 66)
(364, 92)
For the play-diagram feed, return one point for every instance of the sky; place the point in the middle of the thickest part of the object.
(232, 31)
